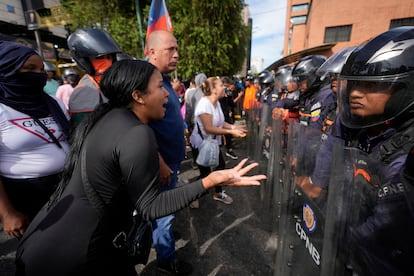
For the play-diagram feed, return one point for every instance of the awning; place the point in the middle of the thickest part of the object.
(296, 56)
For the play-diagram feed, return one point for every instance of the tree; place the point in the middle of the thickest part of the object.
(118, 17)
(211, 35)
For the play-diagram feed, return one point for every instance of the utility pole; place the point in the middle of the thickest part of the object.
(32, 24)
(249, 43)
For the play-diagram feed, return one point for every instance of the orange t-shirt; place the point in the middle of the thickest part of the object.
(249, 98)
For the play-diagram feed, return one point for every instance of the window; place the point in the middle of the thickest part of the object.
(337, 34)
(295, 20)
(402, 22)
(300, 7)
(10, 8)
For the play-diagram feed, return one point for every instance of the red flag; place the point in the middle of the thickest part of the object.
(159, 19)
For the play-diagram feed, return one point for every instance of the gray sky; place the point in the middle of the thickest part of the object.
(268, 30)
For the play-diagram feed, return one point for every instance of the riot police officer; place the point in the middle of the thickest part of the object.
(267, 93)
(328, 70)
(314, 94)
(94, 51)
(376, 120)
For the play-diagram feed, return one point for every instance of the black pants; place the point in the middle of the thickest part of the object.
(29, 195)
(204, 171)
(229, 142)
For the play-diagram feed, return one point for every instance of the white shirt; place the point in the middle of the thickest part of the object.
(204, 106)
(26, 150)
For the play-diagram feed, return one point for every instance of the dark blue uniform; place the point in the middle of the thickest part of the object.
(313, 111)
(380, 240)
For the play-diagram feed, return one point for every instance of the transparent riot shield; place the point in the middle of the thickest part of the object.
(252, 122)
(264, 116)
(369, 227)
(263, 151)
(303, 206)
(276, 169)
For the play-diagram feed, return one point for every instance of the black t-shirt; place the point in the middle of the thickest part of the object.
(122, 165)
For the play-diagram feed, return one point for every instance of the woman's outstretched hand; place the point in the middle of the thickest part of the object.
(233, 177)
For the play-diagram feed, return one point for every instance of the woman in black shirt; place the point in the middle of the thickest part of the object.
(68, 236)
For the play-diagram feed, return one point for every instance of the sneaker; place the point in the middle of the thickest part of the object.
(223, 197)
(175, 267)
(194, 165)
(231, 154)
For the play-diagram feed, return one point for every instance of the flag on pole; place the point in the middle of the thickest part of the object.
(159, 19)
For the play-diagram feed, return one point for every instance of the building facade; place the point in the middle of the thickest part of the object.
(314, 23)
(13, 27)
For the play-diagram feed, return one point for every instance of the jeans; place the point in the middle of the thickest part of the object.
(162, 235)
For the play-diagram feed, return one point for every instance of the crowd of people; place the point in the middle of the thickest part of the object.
(133, 168)
(120, 133)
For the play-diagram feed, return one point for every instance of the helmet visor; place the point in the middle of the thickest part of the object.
(366, 103)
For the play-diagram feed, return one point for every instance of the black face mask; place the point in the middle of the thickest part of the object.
(32, 81)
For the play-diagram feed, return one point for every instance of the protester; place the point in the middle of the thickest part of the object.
(228, 104)
(34, 131)
(51, 84)
(209, 123)
(162, 51)
(71, 80)
(69, 237)
(94, 51)
(249, 101)
(193, 96)
(179, 89)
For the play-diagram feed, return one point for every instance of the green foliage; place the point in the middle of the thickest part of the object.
(211, 35)
(118, 17)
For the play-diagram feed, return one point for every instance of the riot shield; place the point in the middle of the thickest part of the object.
(303, 206)
(369, 226)
(252, 122)
(264, 116)
(263, 151)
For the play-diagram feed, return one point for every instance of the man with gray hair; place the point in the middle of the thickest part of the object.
(191, 99)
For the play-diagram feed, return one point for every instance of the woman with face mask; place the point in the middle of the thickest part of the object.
(33, 131)
(116, 152)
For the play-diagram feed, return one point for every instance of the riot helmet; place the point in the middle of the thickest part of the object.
(376, 83)
(305, 69)
(266, 79)
(333, 65)
(69, 71)
(49, 67)
(331, 68)
(91, 43)
(283, 76)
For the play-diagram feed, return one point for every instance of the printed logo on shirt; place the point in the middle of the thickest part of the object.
(29, 125)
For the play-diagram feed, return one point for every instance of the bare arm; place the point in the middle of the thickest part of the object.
(207, 121)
